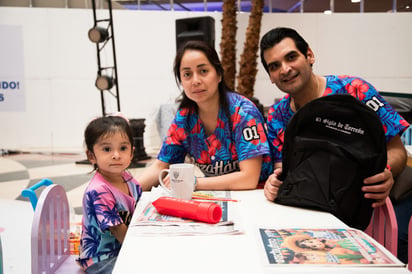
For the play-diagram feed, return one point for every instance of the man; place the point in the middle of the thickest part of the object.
(288, 60)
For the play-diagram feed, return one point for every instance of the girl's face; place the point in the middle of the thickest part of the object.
(314, 244)
(199, 78)
(112, 153)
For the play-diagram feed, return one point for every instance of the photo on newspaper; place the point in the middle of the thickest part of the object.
(348, 247)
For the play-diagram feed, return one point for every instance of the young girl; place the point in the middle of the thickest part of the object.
(111, 195)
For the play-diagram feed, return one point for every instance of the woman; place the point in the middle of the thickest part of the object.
(220, 131)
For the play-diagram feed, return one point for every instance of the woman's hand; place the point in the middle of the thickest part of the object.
(166, 181)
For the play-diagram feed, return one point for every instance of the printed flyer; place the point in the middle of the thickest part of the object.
(147, 221)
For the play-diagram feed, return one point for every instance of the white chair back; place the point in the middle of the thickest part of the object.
(407, 136)
(51, 231)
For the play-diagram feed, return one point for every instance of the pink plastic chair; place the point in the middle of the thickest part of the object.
(1, 258)
(50, 250)
(410, 245)
(384, 227)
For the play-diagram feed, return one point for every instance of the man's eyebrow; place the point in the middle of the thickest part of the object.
(289, 54)
(292, 52)
(273, 63)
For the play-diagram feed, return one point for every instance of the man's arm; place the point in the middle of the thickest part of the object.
(397, 155)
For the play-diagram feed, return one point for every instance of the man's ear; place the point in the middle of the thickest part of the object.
(310, 56)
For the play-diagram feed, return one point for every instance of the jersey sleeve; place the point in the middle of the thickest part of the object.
(393, 123)
(249, 131)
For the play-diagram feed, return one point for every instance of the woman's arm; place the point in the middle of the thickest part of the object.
(150, 176)
(246, 178)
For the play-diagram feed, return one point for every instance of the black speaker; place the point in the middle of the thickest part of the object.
(197, 28)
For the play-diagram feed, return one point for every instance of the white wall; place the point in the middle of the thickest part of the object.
(61, 65)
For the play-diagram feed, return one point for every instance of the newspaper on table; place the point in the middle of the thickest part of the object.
(330, 247)
(147, 221)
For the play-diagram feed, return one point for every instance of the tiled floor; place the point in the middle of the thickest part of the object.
(21, 170)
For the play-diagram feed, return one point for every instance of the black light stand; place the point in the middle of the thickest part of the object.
(102, 33)
(139, 150)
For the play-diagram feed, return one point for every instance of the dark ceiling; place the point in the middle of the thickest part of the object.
(277, 5)
(216, 5)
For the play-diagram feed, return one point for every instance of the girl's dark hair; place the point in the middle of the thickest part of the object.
(275, 36)
(105, 126)
(213, 58)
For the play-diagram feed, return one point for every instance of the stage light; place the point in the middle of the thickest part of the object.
(98, 34)
(104, 82)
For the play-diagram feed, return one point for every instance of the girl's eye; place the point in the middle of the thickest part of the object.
(204, 71)
(124, 148)
(106, 149)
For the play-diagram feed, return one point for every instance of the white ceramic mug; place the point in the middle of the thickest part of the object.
(182, 180)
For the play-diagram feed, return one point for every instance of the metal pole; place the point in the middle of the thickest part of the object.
(98, 59)
(332, 5)
(114, 55)
(362, 6)
(394, 6)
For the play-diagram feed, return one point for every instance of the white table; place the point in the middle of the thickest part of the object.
(15, 223)
(230, 253)
(409, 150)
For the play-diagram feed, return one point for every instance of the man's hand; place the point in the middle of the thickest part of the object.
(384, 182)
(272, 185)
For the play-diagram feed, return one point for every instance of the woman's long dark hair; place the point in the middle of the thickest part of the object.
(213, 58)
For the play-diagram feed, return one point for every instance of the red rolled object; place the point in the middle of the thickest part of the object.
(208, 212)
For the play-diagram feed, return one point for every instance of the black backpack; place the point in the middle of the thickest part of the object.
(330, 146)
